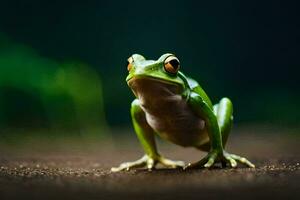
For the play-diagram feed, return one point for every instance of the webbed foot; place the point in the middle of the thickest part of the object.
(223, 157)
(148, 162)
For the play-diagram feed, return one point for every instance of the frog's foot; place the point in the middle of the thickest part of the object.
(223, 157)
(171, 163)
(149, 162)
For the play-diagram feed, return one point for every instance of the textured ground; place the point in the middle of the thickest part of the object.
(65, 169)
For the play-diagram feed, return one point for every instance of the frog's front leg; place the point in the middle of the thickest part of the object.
(218, 121)
(146, 137)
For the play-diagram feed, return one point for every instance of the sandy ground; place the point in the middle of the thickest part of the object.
(79, 169)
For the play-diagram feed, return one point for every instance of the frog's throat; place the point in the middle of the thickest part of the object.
(151, 88)
(157, 79)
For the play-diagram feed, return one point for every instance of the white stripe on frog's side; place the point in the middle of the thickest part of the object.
(168, 113)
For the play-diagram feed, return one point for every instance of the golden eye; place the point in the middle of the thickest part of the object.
(172, 64)
(129, 63)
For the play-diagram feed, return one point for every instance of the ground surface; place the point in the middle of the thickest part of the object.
(60, 169)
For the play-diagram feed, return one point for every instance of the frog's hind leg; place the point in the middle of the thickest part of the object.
(223, 110)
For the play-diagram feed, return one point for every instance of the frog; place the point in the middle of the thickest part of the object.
(174, 107)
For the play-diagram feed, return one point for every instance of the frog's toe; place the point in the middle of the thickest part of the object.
(210, 162)
(150, 164)
(232, 159)
(126, 166)
(171, 163)
(243, 160)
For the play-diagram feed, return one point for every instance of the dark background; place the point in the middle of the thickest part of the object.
(246, 50)
(62, 73)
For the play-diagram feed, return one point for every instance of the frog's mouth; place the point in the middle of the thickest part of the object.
(149, 80)
(153, 87)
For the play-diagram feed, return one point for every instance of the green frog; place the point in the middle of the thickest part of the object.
(176, 108)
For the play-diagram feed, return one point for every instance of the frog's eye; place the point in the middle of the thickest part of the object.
(172, 64)
(129, 63)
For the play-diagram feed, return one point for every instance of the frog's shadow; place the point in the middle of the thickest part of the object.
(178, 170)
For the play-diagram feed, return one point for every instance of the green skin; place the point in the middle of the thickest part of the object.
(177, 109)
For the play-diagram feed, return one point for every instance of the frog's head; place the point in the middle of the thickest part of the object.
(165, 69)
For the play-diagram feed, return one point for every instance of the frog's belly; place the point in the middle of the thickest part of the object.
(168, 113)
(177, 123)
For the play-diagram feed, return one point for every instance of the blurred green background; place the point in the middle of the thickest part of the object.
(62, 63)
